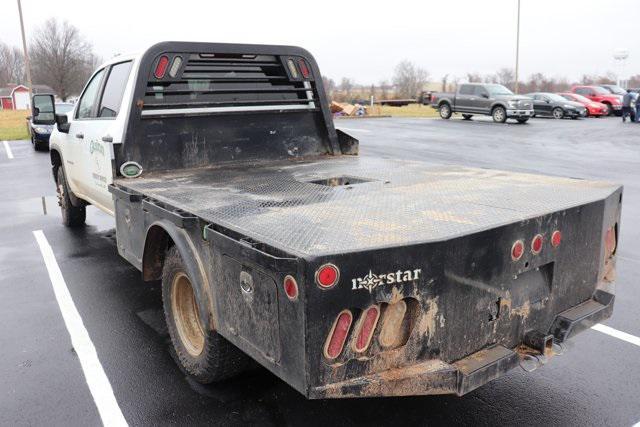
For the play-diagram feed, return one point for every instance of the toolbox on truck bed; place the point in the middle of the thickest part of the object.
(345, 276)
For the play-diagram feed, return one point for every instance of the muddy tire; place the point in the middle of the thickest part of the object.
(445, 111)
(202, 353)
(72, 216)
(499, 114)
(467, 116)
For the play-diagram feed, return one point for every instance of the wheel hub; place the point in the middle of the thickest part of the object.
(186, 315)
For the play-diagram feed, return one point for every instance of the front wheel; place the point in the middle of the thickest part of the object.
(499, 114)
(522, 119)
(72, 216)
(445, 111)
(467, 116)
(39, 146)
(202, 353)
(557, 113)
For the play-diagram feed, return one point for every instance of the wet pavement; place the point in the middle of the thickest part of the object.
(596, 381)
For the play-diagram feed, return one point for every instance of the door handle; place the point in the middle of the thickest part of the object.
(79, 135)
(107, 138)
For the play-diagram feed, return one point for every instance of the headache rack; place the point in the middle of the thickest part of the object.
(203, 104)
(210, 82)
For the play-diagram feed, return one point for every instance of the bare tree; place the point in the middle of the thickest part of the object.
(11, 65)
(409, 79)
(506, 77)
(474, 78)
(329, 86)
(384, 89)
(346, 86)
(61, 58)
(634, 81)
(444, 82)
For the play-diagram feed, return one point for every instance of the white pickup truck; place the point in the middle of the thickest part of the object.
(343, 275)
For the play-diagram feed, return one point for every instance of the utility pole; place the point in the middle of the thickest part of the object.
(26, 54)
(517, 45)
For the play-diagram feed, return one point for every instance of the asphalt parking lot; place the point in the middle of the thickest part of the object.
(596, 381)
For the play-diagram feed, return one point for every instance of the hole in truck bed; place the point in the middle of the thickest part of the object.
(340, 181)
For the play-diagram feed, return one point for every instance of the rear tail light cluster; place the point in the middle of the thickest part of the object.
(298, 68)
(163, 64)
(537, 245)
(390, 323)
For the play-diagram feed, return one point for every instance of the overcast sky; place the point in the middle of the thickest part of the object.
(365, 41)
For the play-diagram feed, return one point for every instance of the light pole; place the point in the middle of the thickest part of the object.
(517, 45)
(26, 54)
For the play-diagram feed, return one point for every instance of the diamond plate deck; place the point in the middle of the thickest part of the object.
(402, 203)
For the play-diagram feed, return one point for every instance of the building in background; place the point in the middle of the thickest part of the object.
(16, 97)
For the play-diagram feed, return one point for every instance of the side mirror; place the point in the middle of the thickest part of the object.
(484, 95)
(43, 110)
(62, 123)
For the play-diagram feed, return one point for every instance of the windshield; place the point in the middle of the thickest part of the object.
(578, 98)
(615, 89)
(498, 90)
(63, 108)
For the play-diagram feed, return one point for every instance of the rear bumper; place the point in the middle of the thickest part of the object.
(477, 369)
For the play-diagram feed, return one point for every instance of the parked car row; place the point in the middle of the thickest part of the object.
(502, 104)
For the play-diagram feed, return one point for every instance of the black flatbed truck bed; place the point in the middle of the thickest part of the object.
(457, 275)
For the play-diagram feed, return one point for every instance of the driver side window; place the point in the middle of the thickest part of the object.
(89, 97)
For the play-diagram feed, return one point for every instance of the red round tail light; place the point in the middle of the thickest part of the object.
(536, 244)
(327, 276)
(161, 68)
(366, 326)
(556, 238)
(517, 250)
(290, 288)
(338, 335)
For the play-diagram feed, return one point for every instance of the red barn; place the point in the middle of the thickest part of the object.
(16, 97)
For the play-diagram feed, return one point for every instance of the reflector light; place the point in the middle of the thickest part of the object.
(292, 68)
(291, 288)
(366, 326)
(161, 68)
(556, 238)
(517, 250)
(338, 335)
(175, 66)
(327, 276)
(303, 68)
(536, 244)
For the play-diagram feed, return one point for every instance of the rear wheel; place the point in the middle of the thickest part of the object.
(202, 352)
(557, 113)
(445, 111)
(72, 216)
(467, 116)
(499, 114)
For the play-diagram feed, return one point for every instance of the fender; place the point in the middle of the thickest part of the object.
(152, 262)
(57, 163)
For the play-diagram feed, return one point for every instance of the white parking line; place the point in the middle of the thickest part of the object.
(632, 339)
(353, 129)
(97, 380)
(8, 149)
